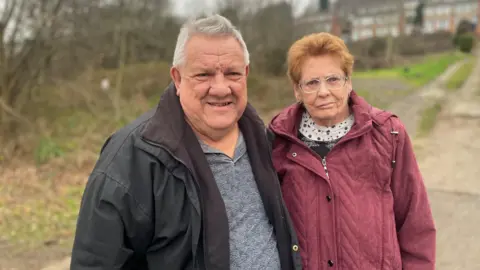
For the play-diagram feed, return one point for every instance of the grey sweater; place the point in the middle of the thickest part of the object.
(252, 240)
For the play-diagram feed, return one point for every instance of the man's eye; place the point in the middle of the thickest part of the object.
(234, 74)
(202, 75)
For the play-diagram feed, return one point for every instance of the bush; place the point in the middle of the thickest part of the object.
(465, 42)
(377, 47)
(46, 150)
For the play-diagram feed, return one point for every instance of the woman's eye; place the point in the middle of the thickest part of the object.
(333, 79)
(312, 83)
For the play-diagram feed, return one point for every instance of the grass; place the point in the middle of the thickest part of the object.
(418, 74)
(400, 82)
(39, 205)
(456, 81)
(383, 98)
(36, 215)
(429, 118)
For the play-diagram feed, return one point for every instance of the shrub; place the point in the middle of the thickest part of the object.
(465, 42)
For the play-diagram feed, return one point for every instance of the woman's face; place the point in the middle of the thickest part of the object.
(324, 90)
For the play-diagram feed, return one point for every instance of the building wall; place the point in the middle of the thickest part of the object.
(382, 20)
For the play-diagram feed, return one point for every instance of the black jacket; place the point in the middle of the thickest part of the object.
(151, 201)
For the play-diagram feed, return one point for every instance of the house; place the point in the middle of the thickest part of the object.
(363, 19)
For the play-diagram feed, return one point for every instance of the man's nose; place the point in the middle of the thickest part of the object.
(219, 85)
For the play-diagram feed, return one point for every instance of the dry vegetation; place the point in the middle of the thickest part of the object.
(55, 115)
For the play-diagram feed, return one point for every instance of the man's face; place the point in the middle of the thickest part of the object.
(212, 83)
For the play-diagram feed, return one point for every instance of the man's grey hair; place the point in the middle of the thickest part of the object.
(214, 25)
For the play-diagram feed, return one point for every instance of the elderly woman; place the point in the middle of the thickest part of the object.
(348, 172)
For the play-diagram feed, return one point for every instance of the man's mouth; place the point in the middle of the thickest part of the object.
(219, 104)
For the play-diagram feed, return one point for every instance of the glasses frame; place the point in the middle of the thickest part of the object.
(324, 79)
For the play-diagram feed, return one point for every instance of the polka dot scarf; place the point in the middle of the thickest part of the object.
(309, 129)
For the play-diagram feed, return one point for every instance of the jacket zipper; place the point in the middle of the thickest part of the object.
(195, 183)
(324, 163)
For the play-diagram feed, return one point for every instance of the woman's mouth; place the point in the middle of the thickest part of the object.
(325, 106)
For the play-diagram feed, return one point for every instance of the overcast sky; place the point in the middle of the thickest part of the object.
(184, 7)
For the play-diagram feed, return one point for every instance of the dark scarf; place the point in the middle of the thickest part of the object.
(172, 130)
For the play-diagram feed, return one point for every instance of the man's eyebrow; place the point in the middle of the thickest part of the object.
(201, 68)
(234, 68)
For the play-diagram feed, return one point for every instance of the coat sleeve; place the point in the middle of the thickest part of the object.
(104, 237)
(413, 216)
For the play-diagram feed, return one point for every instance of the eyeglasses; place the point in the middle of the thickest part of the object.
(332, 83)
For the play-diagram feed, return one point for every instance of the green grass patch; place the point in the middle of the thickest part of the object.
(33, 222)
(383, 98)
(429, 118)
(458, 78)
(417, 74)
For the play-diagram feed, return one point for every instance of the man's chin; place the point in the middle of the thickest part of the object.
(222, 124)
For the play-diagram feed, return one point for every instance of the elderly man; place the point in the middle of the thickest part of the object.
(190, 185)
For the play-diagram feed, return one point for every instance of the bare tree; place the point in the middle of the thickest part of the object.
(26, 29)
(400, 26)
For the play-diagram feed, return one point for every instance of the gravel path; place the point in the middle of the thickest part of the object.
(449, 163)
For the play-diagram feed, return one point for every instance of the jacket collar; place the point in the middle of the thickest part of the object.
(169, 129)
(168, 126)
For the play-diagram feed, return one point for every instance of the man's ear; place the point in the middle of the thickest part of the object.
(176, 78)
(247, 70)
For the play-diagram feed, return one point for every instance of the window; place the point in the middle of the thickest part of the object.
(408, 29)
(429, 11)
(394, 31)
(366, 20)
(428, 27)
(367, 33)
(443, 24)
(462, 8)
(443, 10)
(355, 35)
(382, 31)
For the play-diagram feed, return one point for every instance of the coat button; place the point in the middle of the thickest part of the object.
(329, 198)
(295, 248)
(330, 263)
(294, 154)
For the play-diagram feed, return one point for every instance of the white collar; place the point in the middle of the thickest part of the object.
(314, 132)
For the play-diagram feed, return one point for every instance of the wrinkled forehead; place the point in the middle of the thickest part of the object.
(220, 52)
(321, 66)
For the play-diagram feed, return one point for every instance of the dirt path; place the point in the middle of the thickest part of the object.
(410, 109)
(449, 163)
(454, 191)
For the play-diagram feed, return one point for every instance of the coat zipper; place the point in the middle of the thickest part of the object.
(324, 163)
(195, 183)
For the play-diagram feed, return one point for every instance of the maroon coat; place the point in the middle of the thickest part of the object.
(372, 211)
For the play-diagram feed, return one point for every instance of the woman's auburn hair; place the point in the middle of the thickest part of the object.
(317, 44)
